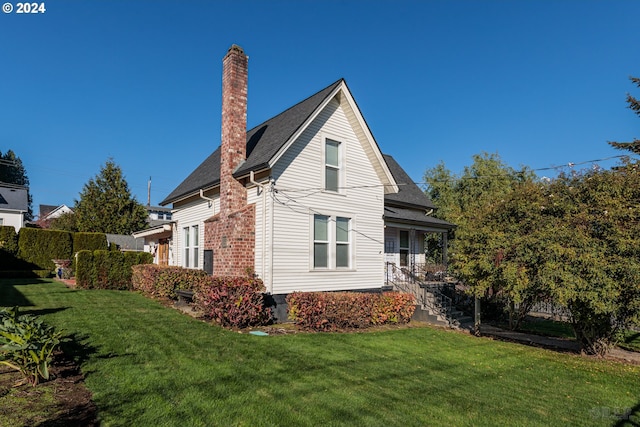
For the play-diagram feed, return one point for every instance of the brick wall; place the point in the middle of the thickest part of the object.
(231, 233)
(233, 240)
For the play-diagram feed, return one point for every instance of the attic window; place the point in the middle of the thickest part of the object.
(332, 165)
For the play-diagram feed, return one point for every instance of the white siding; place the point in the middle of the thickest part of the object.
(192, 213)
(301, 167)
(12, 218)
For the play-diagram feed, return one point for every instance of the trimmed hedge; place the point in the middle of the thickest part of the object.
(8, 239)
(40, 247)
(158, 281)
(236, 302)
(89, 242)
(104, 269)
(332, 311)
(8, 247)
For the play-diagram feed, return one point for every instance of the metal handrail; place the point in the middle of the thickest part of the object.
(429, 294)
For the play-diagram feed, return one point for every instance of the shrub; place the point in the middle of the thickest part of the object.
(27, 344)
(40, 247)
(233, 301)
(158, 281)
(84, 269)
(393, 307)
(100, 269)
(331, 311)
(8, 240)
(89, 242)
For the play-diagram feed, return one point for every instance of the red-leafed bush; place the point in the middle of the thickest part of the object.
(393, 307)
(324, 311)
(158, 281)
(233, 301)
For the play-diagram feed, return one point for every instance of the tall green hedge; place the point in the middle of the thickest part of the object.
(9, 239)
(89, 242)
(8, 247)
(104, 269)
(40, 247)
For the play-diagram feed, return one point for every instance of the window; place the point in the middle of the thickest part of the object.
(404, 248)
(191, 246)
(187, 246)
(1, 221)
(331, 242)
(342, 242)
(331, 165)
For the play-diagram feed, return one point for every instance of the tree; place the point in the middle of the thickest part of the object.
(634, 105)
(107, 206)
(595, 268)
(66, 222)
(467, 201)
(12, 171)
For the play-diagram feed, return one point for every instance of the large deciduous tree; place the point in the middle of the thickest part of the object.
(574, 241)
(106, 204)
(12, 171)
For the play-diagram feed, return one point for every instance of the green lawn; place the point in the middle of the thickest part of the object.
(148, 365)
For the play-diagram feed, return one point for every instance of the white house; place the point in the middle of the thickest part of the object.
(14, 204)
(305, 200)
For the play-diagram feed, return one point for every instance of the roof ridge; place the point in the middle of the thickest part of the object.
(295, 105)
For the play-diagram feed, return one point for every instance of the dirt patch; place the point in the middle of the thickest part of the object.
(62, 401)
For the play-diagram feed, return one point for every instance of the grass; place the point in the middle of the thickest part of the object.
(630, 338)
(151, 365)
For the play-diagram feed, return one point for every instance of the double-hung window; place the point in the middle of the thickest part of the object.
(191, 246)
(332, 248)
(332, 167)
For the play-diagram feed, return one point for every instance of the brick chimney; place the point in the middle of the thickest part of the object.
(233, 195)
(230, 234)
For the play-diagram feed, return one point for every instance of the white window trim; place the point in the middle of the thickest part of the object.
(332, 243)
(195, 260)
(341, 163)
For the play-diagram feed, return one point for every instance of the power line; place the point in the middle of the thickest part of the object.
(307, 209)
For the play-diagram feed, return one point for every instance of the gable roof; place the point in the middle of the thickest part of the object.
(409, 205)
(14, 199)
(263, 142)
(409, 194)
(267, 141)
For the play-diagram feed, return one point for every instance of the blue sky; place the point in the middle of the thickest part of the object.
(542, 83)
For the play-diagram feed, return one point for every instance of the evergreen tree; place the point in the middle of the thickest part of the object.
(107, 206)
(634, 105)
(12, 171)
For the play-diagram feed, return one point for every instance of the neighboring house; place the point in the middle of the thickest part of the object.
(125, 243)
(14, 204)
(305, 200)
(157, 238)
(49, 212)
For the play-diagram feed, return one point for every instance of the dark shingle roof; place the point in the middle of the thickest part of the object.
(408, 195)
(14, 199)
(414, 217)
(263, 142)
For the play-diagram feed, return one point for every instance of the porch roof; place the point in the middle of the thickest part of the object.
(414, 217)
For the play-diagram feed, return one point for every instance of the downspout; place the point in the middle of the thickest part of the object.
(210, 200)
(264, 224)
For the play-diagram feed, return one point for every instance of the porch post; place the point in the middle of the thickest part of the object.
(445, 259)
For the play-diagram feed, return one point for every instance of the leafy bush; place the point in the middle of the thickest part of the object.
(157, 281)
(104, 269)
(8, 240)
(89, 242)
(331, 311)
(393, 307)
(40, 247)
(27, 344)
(233, 301)
(84, 269)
